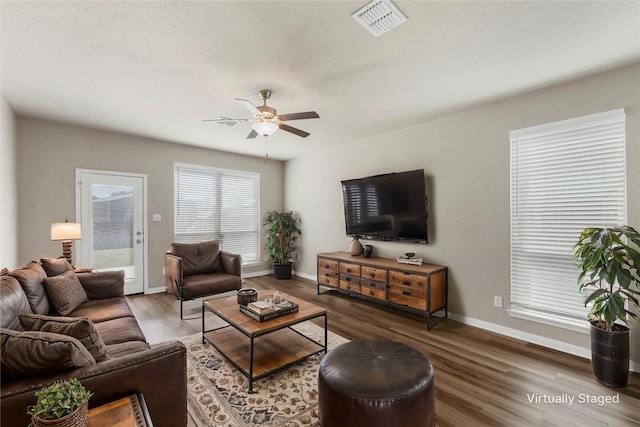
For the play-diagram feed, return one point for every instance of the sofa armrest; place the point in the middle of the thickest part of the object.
(172, 273)
(158, 373)
(232, 263)
(104, 284)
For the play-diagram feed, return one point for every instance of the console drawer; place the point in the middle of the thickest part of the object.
(373, 284)
(350, 285)
(328, 272)
(326, 280)
(407, 279)
(377, 274)
(378, 290)
(327, 266)
(349, 278)
(406, 297)
(346, 268)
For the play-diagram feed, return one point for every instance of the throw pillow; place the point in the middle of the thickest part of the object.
(30, 278)
(28, 354)
(55, 266)
(66, 292)
(80, 328)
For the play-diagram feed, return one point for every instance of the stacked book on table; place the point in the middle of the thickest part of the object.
(412, 261)
(262, 310)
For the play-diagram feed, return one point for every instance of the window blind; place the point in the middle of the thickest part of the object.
(565, 176)
(218, 204)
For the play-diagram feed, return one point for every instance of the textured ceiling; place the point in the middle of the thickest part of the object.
(156, 69)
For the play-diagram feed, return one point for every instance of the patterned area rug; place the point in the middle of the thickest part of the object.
(217, 392)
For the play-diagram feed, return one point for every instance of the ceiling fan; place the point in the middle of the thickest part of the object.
(266, 119)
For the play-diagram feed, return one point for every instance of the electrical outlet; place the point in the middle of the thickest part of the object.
(497, 301)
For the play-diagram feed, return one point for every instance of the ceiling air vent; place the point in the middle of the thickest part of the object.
(379, 16)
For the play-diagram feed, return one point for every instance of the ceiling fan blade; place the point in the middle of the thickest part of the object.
(249, 106)
(299, 116)
(252, 134)
(293, 130)
(226, 121)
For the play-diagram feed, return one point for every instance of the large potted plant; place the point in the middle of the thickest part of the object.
(609, 260)
(282, 233)
(62, 404)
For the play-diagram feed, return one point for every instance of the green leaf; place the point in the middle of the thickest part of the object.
(595, 295)
(624, 278)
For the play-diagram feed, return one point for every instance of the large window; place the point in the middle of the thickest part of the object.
(565, 176)
(218, 204)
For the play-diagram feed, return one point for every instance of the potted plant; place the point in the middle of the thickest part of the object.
(609, 259)
(282, 232)
(62, 404)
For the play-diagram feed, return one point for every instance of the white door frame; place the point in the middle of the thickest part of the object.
(78, 250)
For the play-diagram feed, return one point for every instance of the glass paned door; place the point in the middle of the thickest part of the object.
(112, 225)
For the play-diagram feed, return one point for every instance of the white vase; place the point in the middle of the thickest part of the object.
(355, 248)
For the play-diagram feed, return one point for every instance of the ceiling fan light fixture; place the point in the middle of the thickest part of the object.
(265, 128)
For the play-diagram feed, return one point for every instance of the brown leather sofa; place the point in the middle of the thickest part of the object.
(195, 270)
(131, 365)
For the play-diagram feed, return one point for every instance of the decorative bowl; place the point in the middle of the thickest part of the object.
(409, 254)
(247, 295)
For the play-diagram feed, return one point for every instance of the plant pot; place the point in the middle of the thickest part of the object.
(610, 356)
(78, 418)
(282, 271)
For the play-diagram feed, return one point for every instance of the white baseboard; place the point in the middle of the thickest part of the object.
(532, 338)
(305, 275)
(257, 273)
(154, 290)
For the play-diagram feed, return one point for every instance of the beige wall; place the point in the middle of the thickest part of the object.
(8, 188)
(49, 153)
(466, 159)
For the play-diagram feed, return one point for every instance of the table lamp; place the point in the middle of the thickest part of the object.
(66, 231)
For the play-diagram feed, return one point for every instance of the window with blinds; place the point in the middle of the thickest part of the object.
(218, 204)
(565, 176)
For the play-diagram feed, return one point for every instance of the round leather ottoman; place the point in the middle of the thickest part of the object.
(375, 384)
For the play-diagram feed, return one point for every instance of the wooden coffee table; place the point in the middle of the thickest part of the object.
(259, 349)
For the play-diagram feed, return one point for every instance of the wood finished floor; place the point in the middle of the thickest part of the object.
(481, 378)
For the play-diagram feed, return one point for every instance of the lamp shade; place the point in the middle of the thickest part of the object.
(66, 231)
(265, 128)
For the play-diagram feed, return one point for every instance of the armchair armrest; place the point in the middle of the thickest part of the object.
(232, 263)
(172, 273)
(156, 373)
(101, 285)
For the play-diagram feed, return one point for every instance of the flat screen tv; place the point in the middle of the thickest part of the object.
(390, 207)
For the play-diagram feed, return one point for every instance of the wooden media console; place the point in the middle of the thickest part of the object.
(419, 289)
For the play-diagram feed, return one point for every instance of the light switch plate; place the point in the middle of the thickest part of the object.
(157, 217)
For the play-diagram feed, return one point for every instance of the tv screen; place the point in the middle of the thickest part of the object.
(387, 207)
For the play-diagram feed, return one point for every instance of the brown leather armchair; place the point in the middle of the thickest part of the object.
(195, 270)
